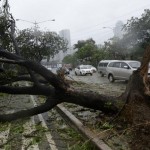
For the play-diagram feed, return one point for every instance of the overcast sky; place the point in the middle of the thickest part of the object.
(84, 18)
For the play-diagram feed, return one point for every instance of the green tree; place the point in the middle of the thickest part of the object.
(70, 59)
(34, 45)
(89, 52)
(117, 48)
(82, 43)
(99, 54)
(138, 31)
(7, 29)
(86, 49)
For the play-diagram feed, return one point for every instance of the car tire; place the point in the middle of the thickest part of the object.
(91, 74)
(111, 78)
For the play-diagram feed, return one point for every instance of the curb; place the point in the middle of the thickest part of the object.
(77, 125)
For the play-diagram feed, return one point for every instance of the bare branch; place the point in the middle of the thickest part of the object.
(35, 90)
(49, 104)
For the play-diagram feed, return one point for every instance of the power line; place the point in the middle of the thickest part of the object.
(107, 21)
(96, 30)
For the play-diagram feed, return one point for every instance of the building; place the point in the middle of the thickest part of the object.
(118, 29)
(66, 35)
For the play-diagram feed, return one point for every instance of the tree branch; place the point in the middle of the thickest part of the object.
(35, 90)
(49, 104)
(53, 79)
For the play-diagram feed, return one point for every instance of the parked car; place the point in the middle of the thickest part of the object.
(83, 70)
(49, 68)
(66, 70)
(92, 67)
(68, 66)
(102, 65)
(121, 69)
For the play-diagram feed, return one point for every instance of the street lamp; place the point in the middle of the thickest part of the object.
(35, 26)
(35, 23)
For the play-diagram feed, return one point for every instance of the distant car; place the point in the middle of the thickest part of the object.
(49, 68)
(83, 70)
(92, 67)
(68, 66)
(66, 70)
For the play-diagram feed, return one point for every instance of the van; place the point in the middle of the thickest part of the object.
(149, 70)
(121, 69)
(101, 68)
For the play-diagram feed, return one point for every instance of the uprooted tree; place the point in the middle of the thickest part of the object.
(133, 105)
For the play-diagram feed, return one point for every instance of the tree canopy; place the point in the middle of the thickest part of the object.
(138, 29)
(35, 44)
(86, 50)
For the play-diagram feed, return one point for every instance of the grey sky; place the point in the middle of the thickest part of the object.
(84, 18)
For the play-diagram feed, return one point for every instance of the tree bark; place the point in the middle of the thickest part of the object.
(137, 108)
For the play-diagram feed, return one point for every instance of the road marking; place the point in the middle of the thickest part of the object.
(4, 136)
(28, 129)
(51, 142)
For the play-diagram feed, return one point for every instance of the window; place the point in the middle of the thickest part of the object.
(135, 64)
(101, 64)
(111, 64)
(116, 64)
(105, 64)
(124, 64)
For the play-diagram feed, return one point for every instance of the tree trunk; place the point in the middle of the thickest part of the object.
(137, 108)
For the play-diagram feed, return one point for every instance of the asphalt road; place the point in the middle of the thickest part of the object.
(95, 78)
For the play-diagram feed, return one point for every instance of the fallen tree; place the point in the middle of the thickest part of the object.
(133, 106)
(58, 90)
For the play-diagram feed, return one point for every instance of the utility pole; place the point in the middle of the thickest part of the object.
(35, 23)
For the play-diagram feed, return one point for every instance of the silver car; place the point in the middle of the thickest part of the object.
(121, 69)
(102, 65)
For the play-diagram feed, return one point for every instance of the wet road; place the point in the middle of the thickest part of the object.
(95, 78)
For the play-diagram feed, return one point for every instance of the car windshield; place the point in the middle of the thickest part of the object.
(135, 64)
(84, 67)
(89, 66)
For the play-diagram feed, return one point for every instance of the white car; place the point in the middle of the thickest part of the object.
(83, 70)
(93, 68)
(49, 68)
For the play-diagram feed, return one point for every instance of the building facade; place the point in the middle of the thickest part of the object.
(65, 34)
(118, 29)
